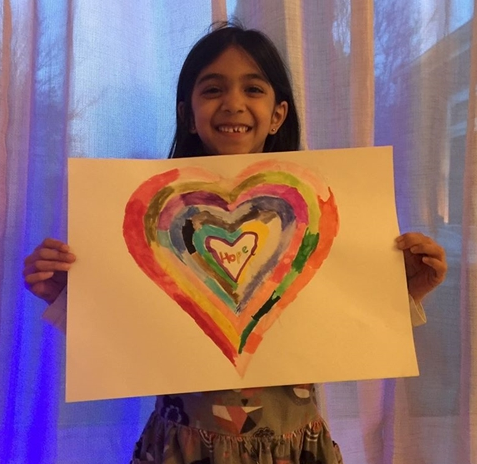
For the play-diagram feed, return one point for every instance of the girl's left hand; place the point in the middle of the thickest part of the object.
(425, 262)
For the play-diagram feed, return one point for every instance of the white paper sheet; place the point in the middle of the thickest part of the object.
(234, 271)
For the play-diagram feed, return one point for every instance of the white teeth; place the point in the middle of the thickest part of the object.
(231, 129)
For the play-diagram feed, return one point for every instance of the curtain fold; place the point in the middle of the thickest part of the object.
(4, 111)
(468, 294)
(219, 10)
(362, 73)
(89, 79)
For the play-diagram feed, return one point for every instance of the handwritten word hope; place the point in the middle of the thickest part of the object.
(232, 255)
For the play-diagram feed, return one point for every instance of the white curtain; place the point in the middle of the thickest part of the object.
(97, 79)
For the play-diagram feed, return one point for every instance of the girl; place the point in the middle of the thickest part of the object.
(234, 96)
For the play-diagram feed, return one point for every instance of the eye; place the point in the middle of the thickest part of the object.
(254, 89)
(211, 91)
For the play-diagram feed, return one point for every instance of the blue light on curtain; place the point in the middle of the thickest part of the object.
(97, 79)
(30, 358)
(99, 88)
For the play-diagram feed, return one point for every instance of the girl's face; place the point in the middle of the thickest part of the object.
(233, 105)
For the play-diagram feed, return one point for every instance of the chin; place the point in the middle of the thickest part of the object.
(229, 152)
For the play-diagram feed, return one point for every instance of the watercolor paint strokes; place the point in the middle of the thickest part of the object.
(230, 272)
(232, 252)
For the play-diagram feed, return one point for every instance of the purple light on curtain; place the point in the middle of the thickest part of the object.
(36, 426)
(31, 361)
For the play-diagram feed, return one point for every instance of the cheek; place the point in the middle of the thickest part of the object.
(201, 112)
(268, 111)
(200, 122)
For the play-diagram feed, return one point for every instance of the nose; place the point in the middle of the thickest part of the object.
(233, 101)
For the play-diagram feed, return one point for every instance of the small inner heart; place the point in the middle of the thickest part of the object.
(232, 257)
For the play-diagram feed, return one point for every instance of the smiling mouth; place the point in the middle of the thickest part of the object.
(239, 129)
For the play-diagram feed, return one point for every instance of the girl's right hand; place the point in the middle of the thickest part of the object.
(45, 270)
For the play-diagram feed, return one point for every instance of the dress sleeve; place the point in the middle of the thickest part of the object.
(418, 316)
(55, 314)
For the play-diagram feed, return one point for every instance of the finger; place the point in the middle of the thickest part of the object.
(38, 289)
(55, 244)
(32, 279)
(48, 254)
(410, 239)
(437, 265)
(54, 255)
(429, 249)
(48, 244)
(46, 266)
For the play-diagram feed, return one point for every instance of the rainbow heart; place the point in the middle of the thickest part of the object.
(233, 253)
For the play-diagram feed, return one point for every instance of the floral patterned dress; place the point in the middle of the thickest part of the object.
(277, 425)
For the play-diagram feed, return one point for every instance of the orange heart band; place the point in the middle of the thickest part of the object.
(232, 253)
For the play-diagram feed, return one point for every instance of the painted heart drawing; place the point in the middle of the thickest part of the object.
(232, 252)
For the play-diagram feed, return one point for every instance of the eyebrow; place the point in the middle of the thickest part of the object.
(218, 76)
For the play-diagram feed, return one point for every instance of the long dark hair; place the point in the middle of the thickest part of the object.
(267, 58)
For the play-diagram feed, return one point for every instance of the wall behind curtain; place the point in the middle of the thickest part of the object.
(96, 79)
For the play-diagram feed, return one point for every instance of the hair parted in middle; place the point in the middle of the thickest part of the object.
(262, 50)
